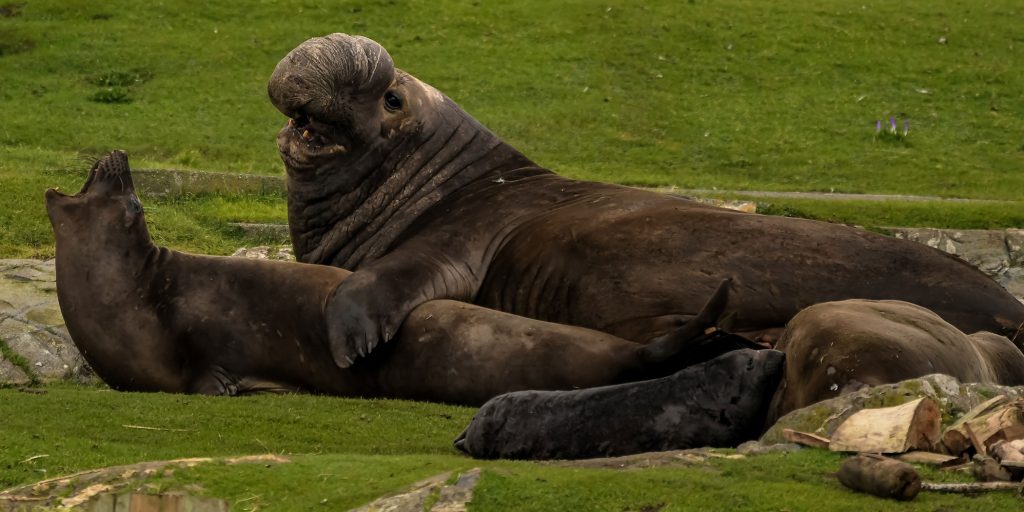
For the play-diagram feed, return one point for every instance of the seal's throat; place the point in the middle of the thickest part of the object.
(349, 228)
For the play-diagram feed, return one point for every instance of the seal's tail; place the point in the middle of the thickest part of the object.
(702, 338)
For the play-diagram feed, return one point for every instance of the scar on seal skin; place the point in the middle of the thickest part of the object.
(148, 318)
(392, 179)
(838, 347)
(721, 402)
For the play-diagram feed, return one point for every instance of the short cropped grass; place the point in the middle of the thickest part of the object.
(732, 93)
(347, 452)
(694, 94)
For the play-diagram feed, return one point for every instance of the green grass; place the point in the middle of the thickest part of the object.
(80, 428)
(728, 94)
(349, 452)
(697, 95)
(693, 94)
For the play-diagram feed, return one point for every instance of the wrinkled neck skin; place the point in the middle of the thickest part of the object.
(348, 214)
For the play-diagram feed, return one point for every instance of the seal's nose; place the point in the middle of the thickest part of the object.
(111, 175)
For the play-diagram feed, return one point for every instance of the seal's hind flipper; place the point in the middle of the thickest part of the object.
(694, 333)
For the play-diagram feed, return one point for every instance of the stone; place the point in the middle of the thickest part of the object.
(953, 398)
(32, 327)
(264, 252)
(450, 497)
(759, 448)
(998, 253)
(11, 374)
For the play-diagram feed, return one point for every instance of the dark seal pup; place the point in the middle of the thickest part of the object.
(837, 347)
(151, 319)
(390, 178)
(721, 402)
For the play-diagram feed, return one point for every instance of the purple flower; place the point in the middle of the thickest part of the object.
(892, 124)
(906, 127)
(878, 126)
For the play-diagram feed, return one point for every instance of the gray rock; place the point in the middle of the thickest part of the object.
(32, 327)
(11, 374)
(758, 448)
(263, 252)
(954, 399)
(998, 253)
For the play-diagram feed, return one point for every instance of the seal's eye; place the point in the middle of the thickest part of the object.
(750, 364)
(392, 102)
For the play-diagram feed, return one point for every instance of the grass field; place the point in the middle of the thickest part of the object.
(732, 94)
(349, 452)
(728, 94)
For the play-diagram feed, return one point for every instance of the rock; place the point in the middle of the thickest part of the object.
(263, 252)
(998, 253)
(32, 331)
(759, 448)
(11, 374)
(953, 398)
(449, 497)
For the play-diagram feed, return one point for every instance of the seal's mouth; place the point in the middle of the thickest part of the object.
(113, 167)
(305, 141)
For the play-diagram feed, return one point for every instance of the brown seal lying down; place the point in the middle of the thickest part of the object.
(721, 402)
(151, 319)
(838, 347)
(390, 178)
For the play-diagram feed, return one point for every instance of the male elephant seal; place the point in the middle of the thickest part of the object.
(390, 178)
(718, 403)
(151, 319)
(838, 347)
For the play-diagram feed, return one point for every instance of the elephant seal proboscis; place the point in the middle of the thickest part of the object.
(838, 347)
(152, 319)
(721, 402)
(390, 178)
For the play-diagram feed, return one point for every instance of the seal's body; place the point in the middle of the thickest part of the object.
(390, 178)
(721, 402)
(151, 319)
(839, 347)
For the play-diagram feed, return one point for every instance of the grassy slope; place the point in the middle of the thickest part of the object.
(350, 451)
(701, 94)
(781, 98)
(729, 94)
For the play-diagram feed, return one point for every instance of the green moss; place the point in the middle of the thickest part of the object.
(985, 393)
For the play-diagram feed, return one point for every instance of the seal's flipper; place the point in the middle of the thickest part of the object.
(695, 332)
